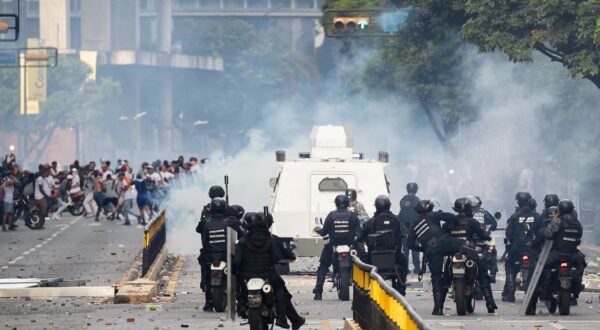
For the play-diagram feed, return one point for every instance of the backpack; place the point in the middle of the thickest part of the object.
(149, 185)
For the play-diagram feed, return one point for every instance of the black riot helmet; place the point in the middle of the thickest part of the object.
(533, 204)
(565, 207)
(550, 200)
(341, 201)
(424, 206)
(351, 194)
(412, 187)
(236, 211)
(382, 203)
(269, 219)
(523, 198)
(463, 205)
(218, 206)
(216, 191)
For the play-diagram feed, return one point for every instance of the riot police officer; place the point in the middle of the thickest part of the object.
(467, 229)
(213, 231)
(213, 192)
(488, 223)
(386, 220)
(566, 232)
(550, 200)
(426, 235)
(288, 253)
(342, 226)
(520, 232)
(255, 256)
(408, 216)
(356, 206)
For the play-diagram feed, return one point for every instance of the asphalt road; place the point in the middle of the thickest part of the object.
(100, 253)
(72, 248)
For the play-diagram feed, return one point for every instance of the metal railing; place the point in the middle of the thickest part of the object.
(155, 237)
(376, 305)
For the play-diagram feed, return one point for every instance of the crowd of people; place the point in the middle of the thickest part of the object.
(98, 190)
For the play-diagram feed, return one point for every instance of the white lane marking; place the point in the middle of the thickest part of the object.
(54, 235)
(558, 326)
(12, 262)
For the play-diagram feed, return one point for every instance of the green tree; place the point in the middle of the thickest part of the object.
(423, 61)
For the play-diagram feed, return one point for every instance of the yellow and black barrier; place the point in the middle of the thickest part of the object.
(377, 305)
(155, 237)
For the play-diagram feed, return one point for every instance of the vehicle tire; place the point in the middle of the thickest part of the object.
(551, 304)
(564, 301)
(77, 209)
(219, 295)
(33, 220)
(256, 320)
(460, 296)
(344, 286)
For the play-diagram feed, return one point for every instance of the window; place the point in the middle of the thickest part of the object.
(333, 184)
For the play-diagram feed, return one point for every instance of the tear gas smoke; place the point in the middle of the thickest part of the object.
(498, 154)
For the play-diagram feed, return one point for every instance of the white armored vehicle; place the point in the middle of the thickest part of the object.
(305, 188)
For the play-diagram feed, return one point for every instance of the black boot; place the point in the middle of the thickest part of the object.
(208, 306)
(509, 288)
(489, 299)
(281, 321)
(438, 303)
(297, 320)
(318, 290)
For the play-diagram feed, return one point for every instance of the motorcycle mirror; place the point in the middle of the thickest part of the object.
(497, 215)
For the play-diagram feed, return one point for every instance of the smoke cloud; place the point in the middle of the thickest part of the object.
(500, 153)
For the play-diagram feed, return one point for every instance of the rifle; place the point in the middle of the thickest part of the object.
(227, 189)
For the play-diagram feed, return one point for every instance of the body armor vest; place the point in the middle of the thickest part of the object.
(341, 227)
(425, 230)
(216, 227)
(568, 237)
(387, 221)
(479, 216)
(524, 230)
(461, 229)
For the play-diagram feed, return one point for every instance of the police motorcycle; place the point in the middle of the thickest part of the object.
(218, 284)
(463, 272)
(382, 255)
(261, 303)
(342, 267)
(559, 288)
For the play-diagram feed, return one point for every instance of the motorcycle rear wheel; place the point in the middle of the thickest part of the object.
(219, 296)
(344, 286)
(564, 301)
(460, 296)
